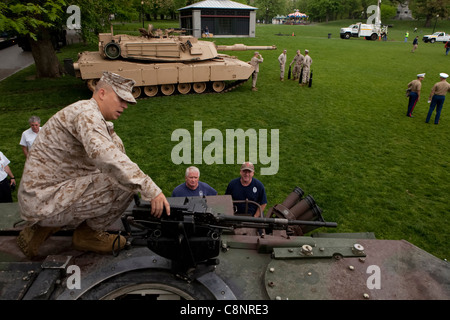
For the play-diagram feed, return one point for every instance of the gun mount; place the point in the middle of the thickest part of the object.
(161, 62)
(191, 234)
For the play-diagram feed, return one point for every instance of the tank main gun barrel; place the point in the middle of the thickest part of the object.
(242, 47)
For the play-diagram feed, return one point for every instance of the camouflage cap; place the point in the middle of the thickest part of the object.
(123, 87)
(248, 166)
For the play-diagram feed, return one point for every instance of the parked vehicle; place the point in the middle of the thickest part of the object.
(162, 62)
(436, 37)
(368, 31)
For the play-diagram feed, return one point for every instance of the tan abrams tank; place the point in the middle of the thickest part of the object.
(162, 63)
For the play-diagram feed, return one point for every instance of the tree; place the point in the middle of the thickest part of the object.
(430, 9)
(269, 9)
(387, 12)
(324, 9)
(35, 20)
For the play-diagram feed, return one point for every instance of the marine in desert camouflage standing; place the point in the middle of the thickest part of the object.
(298, 62)
(255, 61)
(306, 68)
(78, 176)
(282, 60)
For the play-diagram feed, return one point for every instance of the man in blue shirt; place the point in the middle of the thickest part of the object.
(193, 187)
(247, 187)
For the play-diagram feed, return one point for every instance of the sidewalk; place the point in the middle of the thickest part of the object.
(12, 60)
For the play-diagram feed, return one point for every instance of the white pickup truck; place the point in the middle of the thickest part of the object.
(437, 36)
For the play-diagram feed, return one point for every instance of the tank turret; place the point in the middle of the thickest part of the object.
(163, 62)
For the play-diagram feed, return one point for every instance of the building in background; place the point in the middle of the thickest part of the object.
(223, 18)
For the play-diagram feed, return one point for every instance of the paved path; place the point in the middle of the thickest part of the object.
(13, 59)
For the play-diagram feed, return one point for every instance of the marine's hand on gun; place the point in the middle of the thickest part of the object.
(158, 204)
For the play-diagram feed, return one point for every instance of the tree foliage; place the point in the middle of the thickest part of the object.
(430, 10)
(30, 17)
(35, 21)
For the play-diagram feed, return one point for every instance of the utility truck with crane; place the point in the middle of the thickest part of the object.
(368, 30)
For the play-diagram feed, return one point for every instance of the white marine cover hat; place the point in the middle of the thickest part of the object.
(443, 75)
(421, 75)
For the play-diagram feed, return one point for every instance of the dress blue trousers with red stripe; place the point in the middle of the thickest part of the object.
(436, 102)
(413, 97)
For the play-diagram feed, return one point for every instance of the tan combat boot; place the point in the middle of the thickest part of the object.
(31, 238)
(86, 239)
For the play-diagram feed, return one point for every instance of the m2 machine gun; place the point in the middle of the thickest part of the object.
(191, 235)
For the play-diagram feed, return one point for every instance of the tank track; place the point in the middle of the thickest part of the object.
(229, 87)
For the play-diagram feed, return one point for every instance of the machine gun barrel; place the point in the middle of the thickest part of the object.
(242, 47)
(281, 222)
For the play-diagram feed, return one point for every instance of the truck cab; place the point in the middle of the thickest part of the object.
(350, 31)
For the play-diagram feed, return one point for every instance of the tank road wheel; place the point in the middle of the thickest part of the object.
(147, 285)
(167, 89)
(112, 50)
(136, 92)
(184, 88)
(218, 86)
(151, 91)
(91, 83)
(199, 87)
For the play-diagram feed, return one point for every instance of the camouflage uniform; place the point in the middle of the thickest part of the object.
(255, 61)
(282, 60)
(306, 68)
(297, 61)
(78, 170)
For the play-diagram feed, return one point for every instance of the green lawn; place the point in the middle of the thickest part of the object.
(346, 141)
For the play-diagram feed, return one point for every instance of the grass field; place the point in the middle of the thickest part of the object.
(346, 140)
